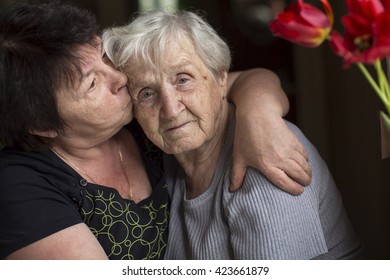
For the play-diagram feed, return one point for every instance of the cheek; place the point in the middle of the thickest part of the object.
(206, 110)
(148, 119)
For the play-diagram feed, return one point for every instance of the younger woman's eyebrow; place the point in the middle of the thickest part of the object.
(92, 69)
(88, 72)
(102, 50)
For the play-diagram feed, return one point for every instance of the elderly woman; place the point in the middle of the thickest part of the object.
(76, 181)
(177, 67)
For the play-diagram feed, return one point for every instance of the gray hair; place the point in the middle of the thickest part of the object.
(145, 38)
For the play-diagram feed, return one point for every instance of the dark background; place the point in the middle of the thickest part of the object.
(335, 107)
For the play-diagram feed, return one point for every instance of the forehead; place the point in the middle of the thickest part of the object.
(90, 54)
(182, 49)
(176, 54)
(81, 65)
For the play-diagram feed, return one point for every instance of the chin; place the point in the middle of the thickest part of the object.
(131, 117)
(126, 119)
(129, 112)
(180, 148)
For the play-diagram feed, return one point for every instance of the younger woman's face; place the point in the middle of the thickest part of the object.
(99, 104)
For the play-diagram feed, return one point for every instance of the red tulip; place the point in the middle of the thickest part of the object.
(367, 32)
(366, 39)
(304, 24)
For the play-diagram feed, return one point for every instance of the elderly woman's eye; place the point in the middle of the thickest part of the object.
(145, 94)
(183, 80)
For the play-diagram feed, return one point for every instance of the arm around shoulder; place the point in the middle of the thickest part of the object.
(73, 243)
(262, 138)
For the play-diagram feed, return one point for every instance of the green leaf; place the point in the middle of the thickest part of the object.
(385, 134)
(386, 120)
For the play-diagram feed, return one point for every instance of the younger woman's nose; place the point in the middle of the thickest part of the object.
(119, 79)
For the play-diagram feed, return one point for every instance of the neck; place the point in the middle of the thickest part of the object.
(199, 165)
(82, 155)
(87, 160)
(115, 163)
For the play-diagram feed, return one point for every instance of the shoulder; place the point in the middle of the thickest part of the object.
(315, 159)
(260, 194)
(18, 167)
(38, 170)
(35, 175)
(261, 201)
(34, 199)
(282, 226)
(37, 182)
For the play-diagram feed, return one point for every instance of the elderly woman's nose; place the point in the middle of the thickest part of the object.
(171, 104)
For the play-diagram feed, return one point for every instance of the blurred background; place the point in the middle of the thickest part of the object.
(335, 107)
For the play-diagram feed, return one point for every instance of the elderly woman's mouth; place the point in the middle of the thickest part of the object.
(177, 127)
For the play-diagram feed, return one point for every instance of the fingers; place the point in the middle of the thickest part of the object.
(297, 175)
(282, 159)
(301, 149)
(290, 175)
(295, 164)
(276, 176)
(279, 178)
(298, 169)
(237, 175)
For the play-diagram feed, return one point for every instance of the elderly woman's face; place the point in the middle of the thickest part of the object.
(179, 107)
(99, 103)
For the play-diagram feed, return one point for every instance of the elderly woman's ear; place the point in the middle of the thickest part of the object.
(224, 79)
(223, 82)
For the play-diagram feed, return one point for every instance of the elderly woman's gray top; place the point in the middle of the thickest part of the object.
(259, 221)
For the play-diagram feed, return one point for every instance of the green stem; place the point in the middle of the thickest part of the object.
(384, 82)
(375, 86)
(387, 77)
(379, 73)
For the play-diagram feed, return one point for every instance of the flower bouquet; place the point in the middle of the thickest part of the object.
(366, 41)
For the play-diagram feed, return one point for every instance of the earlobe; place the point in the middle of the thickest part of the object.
(223, 85)
(224, 77)
(47, 134)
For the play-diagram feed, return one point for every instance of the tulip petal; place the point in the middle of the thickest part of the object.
(367, 32)
(303, 24)
(298, 33)
(328, 10)
(314, 16)
(386, 4)
(367, 8)
(356, 24)
(338, 46)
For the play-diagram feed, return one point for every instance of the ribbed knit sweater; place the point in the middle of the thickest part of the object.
(259, 221)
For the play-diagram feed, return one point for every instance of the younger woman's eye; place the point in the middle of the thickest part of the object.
(92, 85)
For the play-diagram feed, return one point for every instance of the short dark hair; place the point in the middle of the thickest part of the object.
(39, 44)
